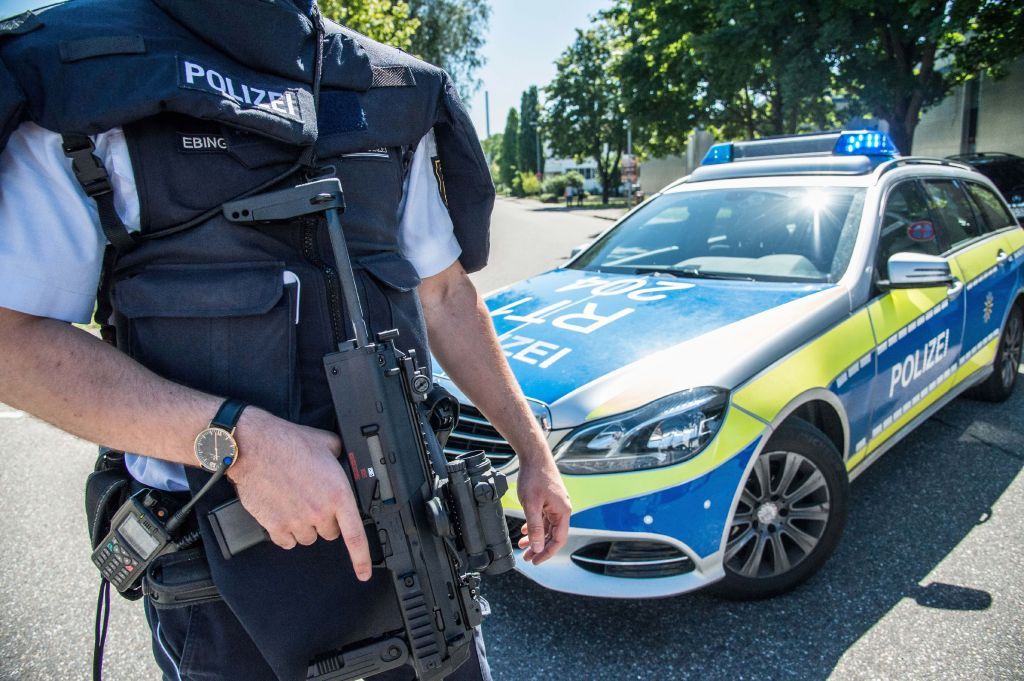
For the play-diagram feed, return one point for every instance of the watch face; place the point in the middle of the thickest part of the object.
(213, 445)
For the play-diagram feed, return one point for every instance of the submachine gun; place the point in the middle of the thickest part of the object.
(435, 525)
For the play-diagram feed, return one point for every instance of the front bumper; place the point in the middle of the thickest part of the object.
(562, 573)
(682, 511)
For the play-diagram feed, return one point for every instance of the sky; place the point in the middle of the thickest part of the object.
(523, 42)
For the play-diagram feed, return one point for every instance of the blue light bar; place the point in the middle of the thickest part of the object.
(865, 143)
(719, 153)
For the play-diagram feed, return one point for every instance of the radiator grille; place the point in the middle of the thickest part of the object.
(476, 432)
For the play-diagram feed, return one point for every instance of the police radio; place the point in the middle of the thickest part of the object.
(137, 537)
(142, 530)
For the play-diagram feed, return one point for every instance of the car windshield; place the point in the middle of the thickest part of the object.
(790, 234)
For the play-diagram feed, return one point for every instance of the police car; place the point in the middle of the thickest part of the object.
(715, 368)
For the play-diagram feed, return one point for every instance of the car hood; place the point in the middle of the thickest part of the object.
(589, 344)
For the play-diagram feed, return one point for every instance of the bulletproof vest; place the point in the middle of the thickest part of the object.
(211, 111)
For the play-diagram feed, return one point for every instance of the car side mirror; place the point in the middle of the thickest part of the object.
(917, 270)
(577, 249)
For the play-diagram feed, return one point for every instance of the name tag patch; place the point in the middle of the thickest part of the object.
(195, 76)
(201, 143)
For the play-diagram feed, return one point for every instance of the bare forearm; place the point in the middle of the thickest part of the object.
(73, 380)
(463, 340)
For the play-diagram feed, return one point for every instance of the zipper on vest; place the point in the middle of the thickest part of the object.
(312, 253)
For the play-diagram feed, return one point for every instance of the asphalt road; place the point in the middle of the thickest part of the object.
(928, 582)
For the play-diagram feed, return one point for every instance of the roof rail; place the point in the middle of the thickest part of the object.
(918, 160)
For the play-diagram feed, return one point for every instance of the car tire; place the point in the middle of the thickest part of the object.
(1006, 368)
(795, 520)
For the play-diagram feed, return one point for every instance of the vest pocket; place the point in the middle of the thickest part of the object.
(226, 329)
(388, 288)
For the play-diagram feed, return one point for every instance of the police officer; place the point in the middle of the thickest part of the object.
(124, 126)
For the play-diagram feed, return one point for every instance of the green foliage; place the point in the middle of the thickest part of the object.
(585, 113)
(492, 150)
(447, 33)
(574, 179)
(556, 185)
(385, 20)
(451, 34)
(751, 68)
(901, 56)
(492, 146)
(529, 119)
(508, 162)
(529, 184)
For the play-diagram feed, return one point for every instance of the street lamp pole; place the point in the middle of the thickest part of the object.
(536, 135)
(629, 155)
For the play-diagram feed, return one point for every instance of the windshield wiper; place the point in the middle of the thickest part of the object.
(692, 273)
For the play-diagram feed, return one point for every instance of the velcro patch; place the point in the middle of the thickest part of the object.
(200, 143)
(340, 111)
(101, 46)
(194, 76)
(392, 76)
(20, 23)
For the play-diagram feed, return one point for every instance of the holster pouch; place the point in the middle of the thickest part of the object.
(106, 489)
(180, 579)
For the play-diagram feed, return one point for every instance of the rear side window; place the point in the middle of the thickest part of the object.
(952, 210)
(992, 209)
(906, 226)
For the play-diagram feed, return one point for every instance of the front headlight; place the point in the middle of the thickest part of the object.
(662, 433)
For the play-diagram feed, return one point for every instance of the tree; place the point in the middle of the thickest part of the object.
(584, 115)
(385, 20)
(742, 68)
(492, 150)
(447, 33)
(492, 146)
(451, 34)
(529, 142)
(508, 162)
(750, 68)
(898, 57)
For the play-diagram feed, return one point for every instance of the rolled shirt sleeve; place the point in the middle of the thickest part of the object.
(426, 234)
(51, 243)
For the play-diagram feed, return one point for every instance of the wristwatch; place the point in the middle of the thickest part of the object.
(215, 446)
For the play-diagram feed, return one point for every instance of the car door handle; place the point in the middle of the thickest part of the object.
(955, 289)
(1002, 255)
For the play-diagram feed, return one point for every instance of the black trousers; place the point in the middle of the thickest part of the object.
(205, 642)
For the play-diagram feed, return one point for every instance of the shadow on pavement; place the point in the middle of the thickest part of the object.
(908, 511)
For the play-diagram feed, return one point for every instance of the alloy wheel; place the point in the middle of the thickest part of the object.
(781, 516)
(1012, 342)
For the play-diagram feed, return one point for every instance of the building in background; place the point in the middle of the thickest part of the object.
(981, 115)
(658, 173)
(587, 168)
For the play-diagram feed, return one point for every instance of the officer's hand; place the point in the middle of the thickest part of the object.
(546, 503)
(289, 479)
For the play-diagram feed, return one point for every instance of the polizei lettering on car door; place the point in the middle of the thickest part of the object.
(195, 76)
(917, 364)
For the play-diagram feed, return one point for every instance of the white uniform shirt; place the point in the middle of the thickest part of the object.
(51, 243)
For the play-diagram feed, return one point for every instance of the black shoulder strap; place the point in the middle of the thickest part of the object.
(93, 177)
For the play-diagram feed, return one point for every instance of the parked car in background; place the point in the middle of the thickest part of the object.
(1006, 172)
(716, 367)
